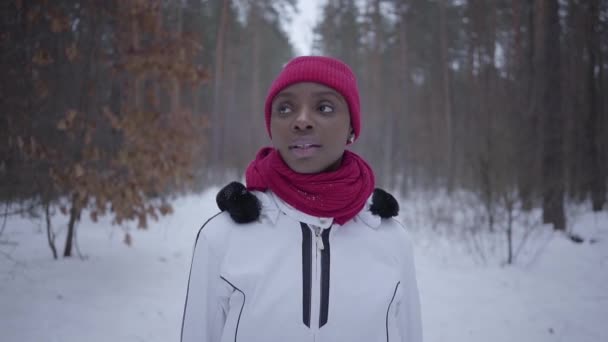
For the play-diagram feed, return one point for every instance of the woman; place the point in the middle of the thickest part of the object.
(309, 251)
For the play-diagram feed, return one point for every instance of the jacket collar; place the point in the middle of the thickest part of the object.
(366, 216)
(272, 206)
(269, 211)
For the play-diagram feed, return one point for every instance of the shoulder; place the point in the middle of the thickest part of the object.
(400, 232)
(400, 240)
(240, 209)
(216, 230)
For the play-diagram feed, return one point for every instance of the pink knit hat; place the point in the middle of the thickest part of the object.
(328, 71)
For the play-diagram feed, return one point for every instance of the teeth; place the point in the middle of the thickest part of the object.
(304, 146)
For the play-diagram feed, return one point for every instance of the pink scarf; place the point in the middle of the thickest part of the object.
(340, 194)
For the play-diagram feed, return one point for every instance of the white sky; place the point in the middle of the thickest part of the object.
(301, 26)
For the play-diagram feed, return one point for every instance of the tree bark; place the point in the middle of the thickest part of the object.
(529, 170)
(256, 65)
(138, 80)
(74, 217)
(547, 65)
(217, 124)
(403, 104)
(597, 185)
(176, 94)
(50, 235)
(446, 96)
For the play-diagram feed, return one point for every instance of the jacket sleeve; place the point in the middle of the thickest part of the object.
(409, 312)
(205, 307)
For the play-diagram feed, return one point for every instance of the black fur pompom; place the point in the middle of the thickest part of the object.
(241, 204)
(384, 204)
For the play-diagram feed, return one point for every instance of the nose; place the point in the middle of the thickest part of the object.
(303, 121)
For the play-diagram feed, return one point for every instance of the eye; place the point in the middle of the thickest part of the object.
(283, 109)
(326, 108)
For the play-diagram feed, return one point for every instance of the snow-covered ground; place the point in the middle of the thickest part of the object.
(121, 293)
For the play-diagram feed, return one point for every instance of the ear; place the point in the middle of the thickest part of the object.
(351, 137)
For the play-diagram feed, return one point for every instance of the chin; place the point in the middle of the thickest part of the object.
(305, 169)
(311, 165)
(311, 169)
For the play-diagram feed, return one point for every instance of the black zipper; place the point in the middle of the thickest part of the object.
(324, 278)
(307, 259)
(306, 273)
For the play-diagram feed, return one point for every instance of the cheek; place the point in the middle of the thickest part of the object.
(278, 133)
(338, 138)
(342, 129)
(275, 128)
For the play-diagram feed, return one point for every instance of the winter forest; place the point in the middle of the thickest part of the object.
(120, 120)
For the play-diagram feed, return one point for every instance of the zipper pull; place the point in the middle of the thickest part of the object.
(319, 239)
(320, 245)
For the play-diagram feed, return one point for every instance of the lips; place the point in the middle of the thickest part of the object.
(304, 146)
(304, 149)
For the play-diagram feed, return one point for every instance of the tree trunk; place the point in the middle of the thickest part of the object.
(217, 124)
(593, 127)
(74, 217)
(528, 171)
(256, 106)
(403, 104)
(509, 207)
(176, 93)
(446, 96)
(50, 235)
(547, 61)
(138, 81)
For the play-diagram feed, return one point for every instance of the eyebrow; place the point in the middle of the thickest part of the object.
(323, 93)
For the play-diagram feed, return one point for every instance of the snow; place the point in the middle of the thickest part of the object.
(121, 293)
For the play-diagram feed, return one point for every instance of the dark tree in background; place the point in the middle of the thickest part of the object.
(115, 105)
(548, 108)
(493, 97)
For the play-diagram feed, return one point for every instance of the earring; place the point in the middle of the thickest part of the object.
(351, 138)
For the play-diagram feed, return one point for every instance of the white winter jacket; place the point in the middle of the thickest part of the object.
(292, 277)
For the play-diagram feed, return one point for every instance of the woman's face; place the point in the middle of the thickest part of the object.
(310, 125)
